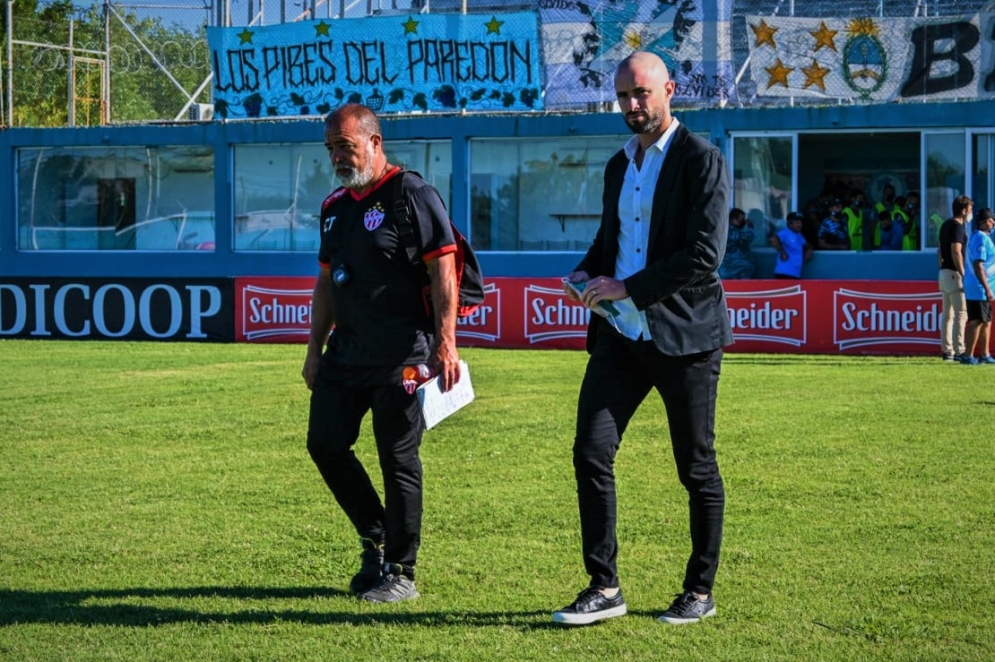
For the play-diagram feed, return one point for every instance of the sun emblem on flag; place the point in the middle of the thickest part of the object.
(865, 61)
(373, 218)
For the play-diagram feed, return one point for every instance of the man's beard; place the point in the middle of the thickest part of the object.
(358, 179)
(647, 124)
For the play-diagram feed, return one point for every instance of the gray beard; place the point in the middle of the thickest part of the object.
(357, 179)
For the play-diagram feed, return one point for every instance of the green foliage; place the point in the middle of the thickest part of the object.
(159, 504)
(140, 88)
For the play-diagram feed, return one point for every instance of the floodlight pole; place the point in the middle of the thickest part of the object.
(10, 70)
(106, 92)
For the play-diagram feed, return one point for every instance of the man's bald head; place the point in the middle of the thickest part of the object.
(644, 89)
(650, 64)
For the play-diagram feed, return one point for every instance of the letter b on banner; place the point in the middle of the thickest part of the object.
(956, 38)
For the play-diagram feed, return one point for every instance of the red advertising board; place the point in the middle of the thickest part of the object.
(807, 317)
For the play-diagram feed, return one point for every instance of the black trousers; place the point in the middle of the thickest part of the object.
(620, 374)
(340, 398)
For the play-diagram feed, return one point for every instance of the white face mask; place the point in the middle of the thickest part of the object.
(970, 217)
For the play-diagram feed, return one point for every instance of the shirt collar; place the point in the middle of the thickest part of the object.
(661, 143)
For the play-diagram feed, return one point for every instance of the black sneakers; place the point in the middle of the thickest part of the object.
(392, 587)
(591, 606)
(687, 608)
(370, 568)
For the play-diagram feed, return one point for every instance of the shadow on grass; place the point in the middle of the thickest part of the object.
(118, 607)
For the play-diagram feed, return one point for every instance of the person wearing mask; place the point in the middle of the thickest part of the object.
(979, 281)
(792, 249)
(889, 231)
(888, 201)
(910, 222)
(950, 254)
(853, 219)
(662, 238)
(833, 233)
(738, 262)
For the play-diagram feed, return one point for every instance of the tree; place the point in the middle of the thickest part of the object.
(139, 89)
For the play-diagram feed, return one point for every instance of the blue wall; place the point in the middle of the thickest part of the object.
(226, 262)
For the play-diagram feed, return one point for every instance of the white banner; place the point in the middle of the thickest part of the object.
(878, 59)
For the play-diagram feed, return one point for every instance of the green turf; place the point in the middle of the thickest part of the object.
(157, 503)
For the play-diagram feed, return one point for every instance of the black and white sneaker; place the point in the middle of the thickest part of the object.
(688, 608)
(370, 568)
(392, 587)
(591, 606)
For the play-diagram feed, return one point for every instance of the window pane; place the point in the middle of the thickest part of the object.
(279, 189)
(118, 198)
(540, 194)
(945, 160)
(762, 182)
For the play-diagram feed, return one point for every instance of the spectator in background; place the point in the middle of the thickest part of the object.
(911, 228)
(853, 215)
(738, 262)
(811, 221)
(792, 249)
(979, 280)
(888, 201)
(951, 257)
(901, 218)
(833, 233)
(889, 231)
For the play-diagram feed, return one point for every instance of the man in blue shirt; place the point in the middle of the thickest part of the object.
(792, 249)
(891, 232)
(979, 280)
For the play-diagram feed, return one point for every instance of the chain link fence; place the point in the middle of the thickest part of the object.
(118, 63)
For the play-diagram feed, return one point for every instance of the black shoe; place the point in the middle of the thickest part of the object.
(687, 608)
(392, 587)
(591, 606)
(370, 569)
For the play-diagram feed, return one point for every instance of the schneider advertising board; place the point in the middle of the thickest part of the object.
(810, 317)
(813, 317)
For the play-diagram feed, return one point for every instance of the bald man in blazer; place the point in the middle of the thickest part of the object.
(659, 246)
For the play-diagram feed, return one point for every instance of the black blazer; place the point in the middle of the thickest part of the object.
(680, 288)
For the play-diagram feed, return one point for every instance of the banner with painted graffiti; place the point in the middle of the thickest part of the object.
(875, 59)
(583, 42)
(421, 62)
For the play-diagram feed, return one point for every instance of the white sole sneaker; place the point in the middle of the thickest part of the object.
(568, 618)
(683, 621)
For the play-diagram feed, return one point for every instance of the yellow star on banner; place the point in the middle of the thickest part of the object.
(764, 34)
(410, 26)
(778, 74)
(245, 36)
(494, 26)
(814, 75)
(321, 30)
(633, 40)
(824, 37)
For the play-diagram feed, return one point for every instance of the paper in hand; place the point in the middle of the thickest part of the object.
(437, 404)
(621, 314)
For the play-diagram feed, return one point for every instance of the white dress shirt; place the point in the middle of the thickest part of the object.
(635, 207)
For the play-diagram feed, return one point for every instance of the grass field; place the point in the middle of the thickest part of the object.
(157, 503)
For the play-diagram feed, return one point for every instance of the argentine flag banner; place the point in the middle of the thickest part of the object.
(583, 42)
(873, 59)
(393, 64)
